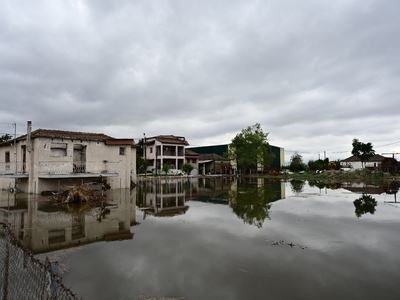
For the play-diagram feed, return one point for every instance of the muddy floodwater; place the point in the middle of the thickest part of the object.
(220, 238)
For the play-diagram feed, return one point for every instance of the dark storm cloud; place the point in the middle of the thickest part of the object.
(314, 74)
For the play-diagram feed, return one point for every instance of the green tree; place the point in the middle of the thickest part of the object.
(364, 151)
(250, 148)
(4, 138)
(141, 163)
(296, 163)
(166, 168)
(187, 168)
(319, 164)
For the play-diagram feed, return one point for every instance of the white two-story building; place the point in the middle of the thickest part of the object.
(165, 149)
(45, 160)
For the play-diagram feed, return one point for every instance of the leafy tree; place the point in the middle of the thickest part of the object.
(364, 151)
(187, 168)
(249, 148)
(319, 164)
(166, 168)
(6, 137)
(296, 163)
(141, 164)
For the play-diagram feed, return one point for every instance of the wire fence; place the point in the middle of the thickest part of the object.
(22, 276)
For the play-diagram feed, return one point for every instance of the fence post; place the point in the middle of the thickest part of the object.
(52, 285)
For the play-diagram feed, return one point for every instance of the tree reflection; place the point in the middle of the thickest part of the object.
(297, 186)
(251, 203)
(365, 204)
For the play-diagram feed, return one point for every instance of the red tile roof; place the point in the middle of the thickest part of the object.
(68, 134)
(171, 139)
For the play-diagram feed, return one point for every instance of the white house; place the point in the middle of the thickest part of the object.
(165, 149)
(353, 162)
(45, 160)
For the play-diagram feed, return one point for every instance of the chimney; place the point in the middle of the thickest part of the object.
(28, 136)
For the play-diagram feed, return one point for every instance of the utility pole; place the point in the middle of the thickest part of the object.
(144, 154)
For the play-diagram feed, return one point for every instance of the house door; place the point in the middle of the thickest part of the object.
(79, 160)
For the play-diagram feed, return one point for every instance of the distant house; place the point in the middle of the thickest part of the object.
(377, 162)
(214, 164)
(165, 149)
(45, 160)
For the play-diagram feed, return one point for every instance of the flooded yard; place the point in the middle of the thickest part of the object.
(222, 239)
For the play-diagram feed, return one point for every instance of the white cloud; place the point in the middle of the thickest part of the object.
(313, 74)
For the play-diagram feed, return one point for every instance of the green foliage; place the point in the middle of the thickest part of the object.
(4, 138)
(319, 164)
(140, 148)
(297, 186)
(249, 148)
(364, 151)
(296, 163)
(141, 164)
(187, 168)
(166, 168)
(252, 203)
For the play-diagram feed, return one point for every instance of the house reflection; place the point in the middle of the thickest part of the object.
(388, 188)
(163, 198)
(43, 226)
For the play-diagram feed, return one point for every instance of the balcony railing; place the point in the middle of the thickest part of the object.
(60, 168)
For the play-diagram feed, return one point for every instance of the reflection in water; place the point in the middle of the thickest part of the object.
(163, 198)
(44, 226)
(297, 186)
(249, 200)
(252, 202)
(365, 204)
(311, 249)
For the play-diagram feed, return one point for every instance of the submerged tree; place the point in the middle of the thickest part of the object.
(250, 148)
(364, 151)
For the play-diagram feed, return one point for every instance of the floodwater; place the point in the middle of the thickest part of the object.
(222, 239)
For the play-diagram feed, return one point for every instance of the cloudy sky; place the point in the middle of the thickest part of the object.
(315, 74)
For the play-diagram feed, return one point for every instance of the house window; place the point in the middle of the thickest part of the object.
(151, 149)
(7, 160)
(180, 151)
(121, 150)
(58, 149)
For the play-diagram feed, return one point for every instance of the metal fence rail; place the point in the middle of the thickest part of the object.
(22, 276)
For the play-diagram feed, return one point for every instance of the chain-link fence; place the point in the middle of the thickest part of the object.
(22, 276)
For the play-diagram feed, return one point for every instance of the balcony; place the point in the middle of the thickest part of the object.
(52, 169)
